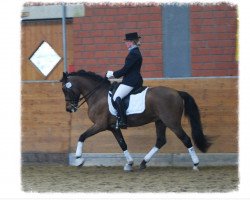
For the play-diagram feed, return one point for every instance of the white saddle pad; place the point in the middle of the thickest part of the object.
(136, 104)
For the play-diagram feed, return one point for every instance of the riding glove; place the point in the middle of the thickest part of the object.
(109, 74)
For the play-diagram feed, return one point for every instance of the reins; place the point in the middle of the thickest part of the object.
(89, 94)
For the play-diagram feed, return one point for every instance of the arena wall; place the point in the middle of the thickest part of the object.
(45, 124)
(48, 129)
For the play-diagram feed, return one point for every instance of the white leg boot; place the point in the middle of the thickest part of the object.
(79, 149)
(79, 159)
(130, 161)
(150, 154)
(194, 158)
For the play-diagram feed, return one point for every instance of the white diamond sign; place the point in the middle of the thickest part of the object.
(45, 58)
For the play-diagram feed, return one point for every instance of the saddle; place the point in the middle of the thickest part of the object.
(125, 100)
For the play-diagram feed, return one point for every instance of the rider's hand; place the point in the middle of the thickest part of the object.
(109, 74)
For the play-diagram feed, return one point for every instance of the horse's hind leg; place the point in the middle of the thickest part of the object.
(160, 141)
(181, 134)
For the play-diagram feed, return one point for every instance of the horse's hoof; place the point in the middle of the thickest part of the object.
(128, 168)
(143, 165)
(79, 162)
(195, 168)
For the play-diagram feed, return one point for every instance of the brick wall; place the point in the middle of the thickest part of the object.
(98, 37)
(213, 40)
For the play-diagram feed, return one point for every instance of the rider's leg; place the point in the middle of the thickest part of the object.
(121, 92)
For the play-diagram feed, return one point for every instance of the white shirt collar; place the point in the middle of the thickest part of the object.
(134, 46)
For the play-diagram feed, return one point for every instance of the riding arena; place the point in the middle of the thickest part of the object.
(186, 137)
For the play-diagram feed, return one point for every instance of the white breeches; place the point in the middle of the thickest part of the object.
(122, 91)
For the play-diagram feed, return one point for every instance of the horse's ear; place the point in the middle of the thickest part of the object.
(64, 78)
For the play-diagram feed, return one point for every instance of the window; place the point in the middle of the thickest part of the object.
(45, 58)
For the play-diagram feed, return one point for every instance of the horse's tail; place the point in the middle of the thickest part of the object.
(191, 111)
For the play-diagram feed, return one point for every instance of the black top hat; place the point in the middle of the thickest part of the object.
(132, 36)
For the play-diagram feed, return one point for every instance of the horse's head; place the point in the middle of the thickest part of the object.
(71, 92)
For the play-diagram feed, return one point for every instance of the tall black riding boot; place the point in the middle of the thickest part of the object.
(122, 120)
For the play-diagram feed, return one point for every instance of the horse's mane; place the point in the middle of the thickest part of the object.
(91, 75)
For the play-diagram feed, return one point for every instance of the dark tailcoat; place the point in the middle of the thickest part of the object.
(131, 70)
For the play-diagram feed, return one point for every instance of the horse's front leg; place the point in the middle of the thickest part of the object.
(90, 132)
(119, 137)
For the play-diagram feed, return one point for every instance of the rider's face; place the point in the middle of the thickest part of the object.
(129, 43)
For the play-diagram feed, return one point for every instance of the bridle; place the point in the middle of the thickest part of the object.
(84, 98)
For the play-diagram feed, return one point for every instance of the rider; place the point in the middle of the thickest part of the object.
(131, 75)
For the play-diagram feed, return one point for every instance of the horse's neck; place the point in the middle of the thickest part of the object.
(94, 90)
(86, 86)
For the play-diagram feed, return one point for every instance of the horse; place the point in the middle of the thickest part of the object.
(163, 105)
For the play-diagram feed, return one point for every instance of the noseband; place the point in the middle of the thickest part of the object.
(72, 96)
